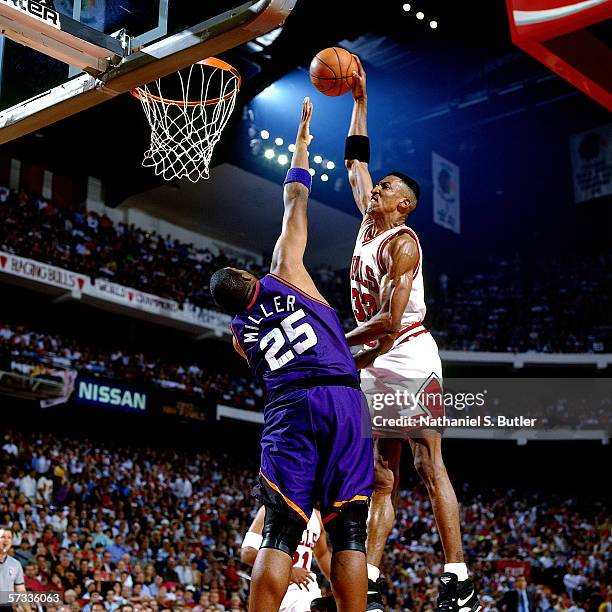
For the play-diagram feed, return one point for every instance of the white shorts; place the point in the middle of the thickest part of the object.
(298, 600)
(416, 358)
(413, 370)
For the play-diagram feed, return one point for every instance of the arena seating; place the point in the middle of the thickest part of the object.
(162, 530)
(532, 304)
(29, 352)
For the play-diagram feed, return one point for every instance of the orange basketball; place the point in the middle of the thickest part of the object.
(331, 71)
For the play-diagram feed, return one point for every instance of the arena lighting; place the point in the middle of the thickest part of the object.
(420, 15)
(291, 148)
(312, 171)
(283, 160)
(324, 178)
(433, 24)
(406, 7)
(269, 154)
(318, 159)
(265, 134)
(330, 165)
(279, 142)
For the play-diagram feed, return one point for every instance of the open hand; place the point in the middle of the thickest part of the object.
(304, 134)
(359, 82)
(301, 577)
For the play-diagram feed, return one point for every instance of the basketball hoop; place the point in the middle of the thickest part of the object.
(184, 131)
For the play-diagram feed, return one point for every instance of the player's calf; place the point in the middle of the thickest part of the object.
(272, 570)
(348, 533)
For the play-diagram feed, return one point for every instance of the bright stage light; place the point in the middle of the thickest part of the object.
(283, 160)
(330, 165)
(269, 154)
(279, 142)
(420, 15)
(265, 134)
(433, 24)
(318, 159)
(324, 178)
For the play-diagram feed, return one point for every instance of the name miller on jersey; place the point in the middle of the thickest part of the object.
(279, 304)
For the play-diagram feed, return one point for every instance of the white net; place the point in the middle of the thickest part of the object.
(187, 122)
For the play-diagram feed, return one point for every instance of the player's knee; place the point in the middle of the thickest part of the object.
(383, 479)
(281, 531)
(348, 530)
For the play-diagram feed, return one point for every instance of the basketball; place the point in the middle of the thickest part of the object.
(331, 71)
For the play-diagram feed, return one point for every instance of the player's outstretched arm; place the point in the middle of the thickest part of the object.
(252, 542)
(288, 256)
(401, 257)
(357, 153)
(253, 538)
(322, 552)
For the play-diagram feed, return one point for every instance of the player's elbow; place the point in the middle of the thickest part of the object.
(248, 555)
(295, 192)
(391, 325)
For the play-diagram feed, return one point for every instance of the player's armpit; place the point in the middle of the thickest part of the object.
(238, 348)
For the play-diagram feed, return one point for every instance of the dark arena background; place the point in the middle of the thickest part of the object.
(129, 428)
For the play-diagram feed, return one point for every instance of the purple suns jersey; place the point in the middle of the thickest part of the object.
(289, 336)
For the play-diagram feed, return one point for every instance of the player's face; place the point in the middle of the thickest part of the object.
(6, 540)
(386, 196)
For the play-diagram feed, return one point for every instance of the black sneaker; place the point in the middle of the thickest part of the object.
(374, 594)
(328, 604)
(323, 604)
(457, 596)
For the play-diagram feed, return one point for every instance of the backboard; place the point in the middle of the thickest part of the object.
(59, 57)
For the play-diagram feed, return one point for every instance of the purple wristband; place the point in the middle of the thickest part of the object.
(299, 175)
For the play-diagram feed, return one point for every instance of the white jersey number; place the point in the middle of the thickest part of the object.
(275, 340)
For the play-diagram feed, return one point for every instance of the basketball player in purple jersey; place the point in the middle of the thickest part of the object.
(316, 447)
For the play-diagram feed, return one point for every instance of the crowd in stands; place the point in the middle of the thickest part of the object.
(511, 305)
(552, 305)
(92, 244)
(109, 526)
(33, 353)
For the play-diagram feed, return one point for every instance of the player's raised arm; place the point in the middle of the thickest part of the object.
(288, 256)
(357, 151)
(401, 257)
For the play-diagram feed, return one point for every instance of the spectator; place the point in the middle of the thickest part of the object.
(519, 599)
(27, 486)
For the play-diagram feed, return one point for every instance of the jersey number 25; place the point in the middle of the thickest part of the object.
(275, 340)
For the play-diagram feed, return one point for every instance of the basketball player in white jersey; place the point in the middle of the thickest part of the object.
(389, 305)
(303, 587)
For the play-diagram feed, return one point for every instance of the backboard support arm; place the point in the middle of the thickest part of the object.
(159, 59)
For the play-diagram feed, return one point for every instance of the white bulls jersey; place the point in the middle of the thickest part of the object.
(305, 550)
(367, 270)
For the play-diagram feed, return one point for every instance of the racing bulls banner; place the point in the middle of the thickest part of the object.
(592, 163)
(446, 194)
(38, 273)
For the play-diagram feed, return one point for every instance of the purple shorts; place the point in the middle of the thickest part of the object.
(316, 450)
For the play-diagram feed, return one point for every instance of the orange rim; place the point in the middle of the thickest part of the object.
(145, 96)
